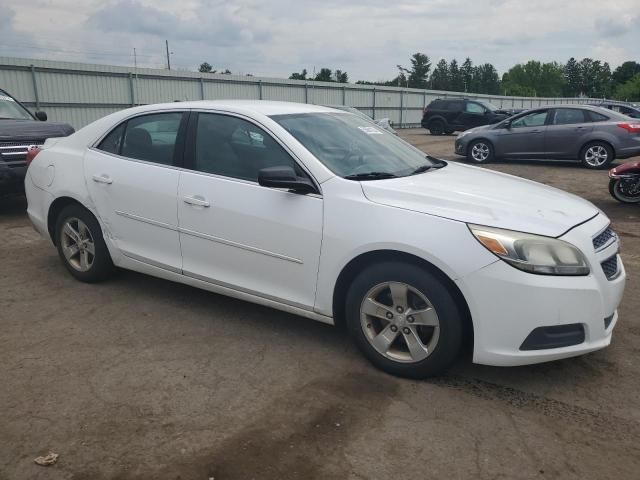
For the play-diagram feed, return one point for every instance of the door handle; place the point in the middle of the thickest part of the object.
(104, 178)
(197, 201)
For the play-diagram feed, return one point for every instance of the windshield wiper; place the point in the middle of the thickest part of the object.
(437, 163)
(370, 176)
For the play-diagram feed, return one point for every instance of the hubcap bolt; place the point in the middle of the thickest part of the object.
(394, 328)
(406, 330)
(389, 315)
(410, 319)
(400, 309)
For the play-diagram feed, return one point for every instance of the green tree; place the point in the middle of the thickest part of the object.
(534, 78)
(324, 75)
(626, 72)
(466, 72)
(419, 72)
(630, 90)
(205, 67)
(299, 76)
(341, 77)
(486, 79)
(456, 81)
(440, 76)
(572, 79)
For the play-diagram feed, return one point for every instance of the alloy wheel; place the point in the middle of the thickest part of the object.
(78, 245)
(400, 322)
(480, 152)
(596, 156)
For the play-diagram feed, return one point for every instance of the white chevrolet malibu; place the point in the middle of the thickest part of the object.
(319, 213)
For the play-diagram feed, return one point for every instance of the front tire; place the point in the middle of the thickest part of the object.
(81, 246)
(480, 151)
(618, 192)
(436, 127)
(404, 320)
(596, 155)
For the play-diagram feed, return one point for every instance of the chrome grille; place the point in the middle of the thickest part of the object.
(15, 153)
(610, 267)
(604, 238)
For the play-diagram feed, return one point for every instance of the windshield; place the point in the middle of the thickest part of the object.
(9, 108)
(490, 106)
(350, 146)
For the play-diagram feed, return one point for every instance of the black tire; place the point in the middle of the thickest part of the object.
(449, 131)
(621, 196)
(587, 158)
(449, 340)
(436, 127)
(99, 265)
(480, 151)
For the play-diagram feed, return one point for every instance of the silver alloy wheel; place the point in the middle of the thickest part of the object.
(399, 322)
(596, 156)
(77, 243)
(480, 152)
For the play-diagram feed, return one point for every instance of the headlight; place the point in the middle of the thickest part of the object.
(532, 253)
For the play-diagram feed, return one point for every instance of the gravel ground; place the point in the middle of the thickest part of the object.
(142, 378)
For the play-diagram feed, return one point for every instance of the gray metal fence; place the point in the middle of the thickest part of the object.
(79, 93)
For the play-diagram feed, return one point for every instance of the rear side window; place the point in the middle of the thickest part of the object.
(454, 106)
(568, 116)
(597, 117)
(437, 105)
(112, 142)
(152, 137)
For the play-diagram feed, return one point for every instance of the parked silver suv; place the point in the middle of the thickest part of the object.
(588, 134)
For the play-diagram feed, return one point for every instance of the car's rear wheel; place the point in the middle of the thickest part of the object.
(596, 155)
(624, 192)
(480, 151)
(436, 127)
(81, 246)
(404, 320)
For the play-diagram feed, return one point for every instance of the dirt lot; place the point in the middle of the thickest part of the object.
(142, 378)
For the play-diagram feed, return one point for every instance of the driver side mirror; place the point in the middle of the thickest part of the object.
(285, 177)
(507, 124)
(42, 116)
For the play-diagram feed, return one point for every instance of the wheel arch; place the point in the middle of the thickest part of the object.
(55, 208)
(437, 118)
(357, 264)
(596, 140)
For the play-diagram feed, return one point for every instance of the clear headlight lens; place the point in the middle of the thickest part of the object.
(532, 253)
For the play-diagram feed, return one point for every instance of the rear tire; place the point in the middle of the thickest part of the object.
(596, 155)
(404, 320)
(81, 246)
(480, 151)
(436, 127)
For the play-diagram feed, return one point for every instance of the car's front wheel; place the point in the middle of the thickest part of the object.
(436, 127)
(480, 151)
(404, 320)
(81, 246)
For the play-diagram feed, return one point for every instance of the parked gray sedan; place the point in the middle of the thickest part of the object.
(587, 134)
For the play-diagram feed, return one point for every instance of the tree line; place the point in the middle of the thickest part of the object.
(575, 78)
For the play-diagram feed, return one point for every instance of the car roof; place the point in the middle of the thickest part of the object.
(264, 107)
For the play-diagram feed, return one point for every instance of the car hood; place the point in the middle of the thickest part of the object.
(475, 195)
(16, 130)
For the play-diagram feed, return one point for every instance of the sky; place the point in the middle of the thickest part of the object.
(274, 38)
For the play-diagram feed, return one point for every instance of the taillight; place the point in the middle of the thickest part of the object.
(630, 127)
(31, 154)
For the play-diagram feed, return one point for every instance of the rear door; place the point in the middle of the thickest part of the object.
(567, 132)
(453, 112)
(524, 138)
(133, 181)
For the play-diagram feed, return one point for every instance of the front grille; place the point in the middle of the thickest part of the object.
(15, 153)
(603, 239)
(610, 267)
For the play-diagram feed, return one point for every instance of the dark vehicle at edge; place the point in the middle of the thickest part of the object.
(448, 115)
(625, 108)
(581, 133)
(19, 131)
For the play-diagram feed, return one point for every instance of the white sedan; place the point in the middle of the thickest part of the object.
(320, 213)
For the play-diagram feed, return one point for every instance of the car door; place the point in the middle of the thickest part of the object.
(523, 137)
(567, 132)
(236, 233)
(473, 115)
(133, 182)
(454, 113)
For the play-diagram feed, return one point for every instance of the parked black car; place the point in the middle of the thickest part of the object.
(448, 115)
(20, 130)
(628, 109)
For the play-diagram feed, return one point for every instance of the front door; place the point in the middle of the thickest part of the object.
(523, 137)
(133, 182)
(236, 233)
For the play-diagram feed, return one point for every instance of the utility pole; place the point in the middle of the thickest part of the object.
(166, 43)
(135, 59)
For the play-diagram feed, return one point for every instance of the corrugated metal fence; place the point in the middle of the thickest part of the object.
(79, 93)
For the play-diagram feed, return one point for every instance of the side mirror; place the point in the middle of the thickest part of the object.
(42, 116)
(507, 124)
(285, 177)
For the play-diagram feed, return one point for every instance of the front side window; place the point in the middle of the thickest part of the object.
(233, 147)
(152, 137)
(474, 108)
(569, 116)
(11, 109)
(350, 146)
(535, 119)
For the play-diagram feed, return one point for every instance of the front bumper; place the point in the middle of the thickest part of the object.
(507, 304)
(12, 177)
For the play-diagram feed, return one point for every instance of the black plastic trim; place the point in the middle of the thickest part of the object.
(557, 336)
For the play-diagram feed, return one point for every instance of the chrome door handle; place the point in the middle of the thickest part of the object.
(102, 179)
(197, 201)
